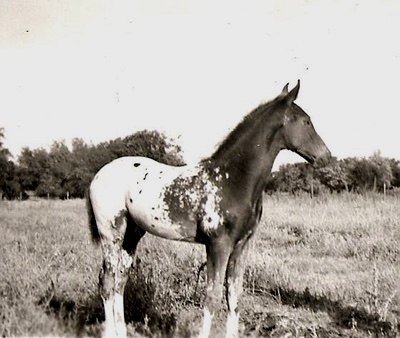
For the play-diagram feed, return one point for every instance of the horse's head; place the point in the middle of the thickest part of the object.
(298, 131)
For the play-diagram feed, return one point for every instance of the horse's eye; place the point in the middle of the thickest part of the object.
(307, 122)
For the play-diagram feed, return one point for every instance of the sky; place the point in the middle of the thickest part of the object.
(99, 70)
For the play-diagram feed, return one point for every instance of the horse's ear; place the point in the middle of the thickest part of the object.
(292, 95)
(285, 90)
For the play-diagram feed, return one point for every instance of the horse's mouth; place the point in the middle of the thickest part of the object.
(309, 158)
(316, 161)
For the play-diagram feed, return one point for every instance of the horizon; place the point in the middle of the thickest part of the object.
(284, 157)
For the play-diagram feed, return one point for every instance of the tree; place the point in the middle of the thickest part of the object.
(395, 168)
(34, 165)
(382, 171)
(66, 173)
(296, 177)
(84, 163)
(333, 176)
(61, 165)
(152, 144)
(9, 185)
(273, 183)
(369, 173)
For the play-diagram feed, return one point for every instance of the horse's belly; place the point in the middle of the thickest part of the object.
(153, 216)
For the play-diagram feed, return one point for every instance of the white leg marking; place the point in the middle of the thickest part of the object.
(207, 319)
(232, 323)
(109, 324)
(119, 315)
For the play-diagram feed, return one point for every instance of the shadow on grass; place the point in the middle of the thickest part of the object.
(152, 312)
(153, 299)
(75, 315)
(143, 309)
(347, 317)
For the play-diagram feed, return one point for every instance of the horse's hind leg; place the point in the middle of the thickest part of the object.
(117, 260)
(112, 281)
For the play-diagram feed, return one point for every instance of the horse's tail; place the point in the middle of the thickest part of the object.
(92, 220)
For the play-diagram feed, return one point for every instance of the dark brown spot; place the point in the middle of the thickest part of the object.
(140, 191)
(153, 225)
(156, 218)
(145, 175)
(120, 218)
(178, 199)
(136, 164)
(161, 172)
(209, 219)
(130, 200)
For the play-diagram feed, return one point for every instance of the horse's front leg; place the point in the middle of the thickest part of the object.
(234, 285)
(217, 258)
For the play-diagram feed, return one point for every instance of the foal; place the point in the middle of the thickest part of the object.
(217, 202)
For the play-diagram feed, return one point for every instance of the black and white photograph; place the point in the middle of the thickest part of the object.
(198, 168)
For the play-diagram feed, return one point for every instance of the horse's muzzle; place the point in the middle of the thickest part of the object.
(323, 160)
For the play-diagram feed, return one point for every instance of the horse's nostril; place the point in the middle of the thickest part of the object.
(323, 160)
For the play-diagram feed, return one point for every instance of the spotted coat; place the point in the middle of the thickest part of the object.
(171, 202)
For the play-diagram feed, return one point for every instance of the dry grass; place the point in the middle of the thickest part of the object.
(326, 267)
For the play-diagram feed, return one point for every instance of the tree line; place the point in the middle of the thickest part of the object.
(61, 172)
(352, 174)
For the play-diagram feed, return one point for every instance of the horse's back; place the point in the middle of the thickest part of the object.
(115, 179)
(116, 183)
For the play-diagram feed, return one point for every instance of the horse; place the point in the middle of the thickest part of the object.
(217, 202)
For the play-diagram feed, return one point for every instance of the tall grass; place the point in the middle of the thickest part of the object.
(322, 267)
(339, 255)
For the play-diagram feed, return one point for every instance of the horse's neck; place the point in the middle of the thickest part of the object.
(256, 162)
(249, 162)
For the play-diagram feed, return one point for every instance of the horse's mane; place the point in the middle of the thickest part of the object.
(253, 118)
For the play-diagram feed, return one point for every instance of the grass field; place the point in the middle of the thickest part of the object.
(322, 267)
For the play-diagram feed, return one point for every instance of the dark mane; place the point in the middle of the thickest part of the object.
(253, 118)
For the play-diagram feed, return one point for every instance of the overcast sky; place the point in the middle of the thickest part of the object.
(100, 70)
